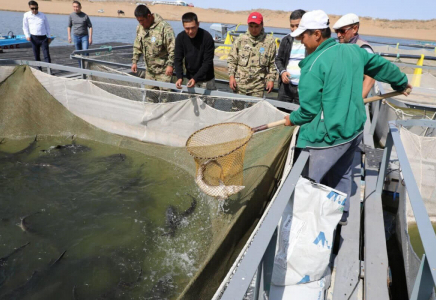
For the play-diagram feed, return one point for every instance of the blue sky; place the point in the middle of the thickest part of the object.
(383, 9)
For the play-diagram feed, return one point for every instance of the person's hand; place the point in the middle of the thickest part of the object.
(179, 83)
(269, 86)
(134, 68)
(285, 77)
(69, 39)
(409, 86)
(232, 83)
(169, 71)
(90, 41)
(28, 39)
(191, 83)
(288, 121)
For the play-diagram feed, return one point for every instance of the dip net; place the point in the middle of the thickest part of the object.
(219, 152)
(145, 237)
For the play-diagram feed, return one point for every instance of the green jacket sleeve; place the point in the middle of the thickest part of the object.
(137, 47)
(170, 42)
(310, 99)
(232, 59)
(272, 71)
(383, 70)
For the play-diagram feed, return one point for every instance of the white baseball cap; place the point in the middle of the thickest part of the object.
(316, 19)
(345, 20)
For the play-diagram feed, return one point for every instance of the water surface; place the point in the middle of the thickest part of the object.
(107, 210)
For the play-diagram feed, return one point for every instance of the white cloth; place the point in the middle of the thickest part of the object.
(35, 24)
(297, 54)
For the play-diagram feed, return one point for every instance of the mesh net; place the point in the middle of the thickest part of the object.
(137, 92)
(33, 103)
(420, 146)
(421, 152)
(219, 152)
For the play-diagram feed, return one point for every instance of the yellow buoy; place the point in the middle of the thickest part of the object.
(417, 74)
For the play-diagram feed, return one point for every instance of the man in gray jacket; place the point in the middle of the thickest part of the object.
(80, 23)
(291, 52)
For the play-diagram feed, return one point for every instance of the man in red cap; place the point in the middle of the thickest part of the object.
(251, 61)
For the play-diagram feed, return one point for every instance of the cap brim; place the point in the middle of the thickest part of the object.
(297, 32)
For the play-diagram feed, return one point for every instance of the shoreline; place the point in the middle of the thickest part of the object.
(402, 29)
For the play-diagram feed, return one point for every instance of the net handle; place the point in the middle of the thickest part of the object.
(384, 96)
(269, 125)
(367, 100)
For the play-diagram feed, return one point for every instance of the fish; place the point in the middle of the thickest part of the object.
(35, 278)
(163, 287)
(22, 223)
(18, 155)
(220, 191)
(174, 218)
(4, 260)
(120, 288)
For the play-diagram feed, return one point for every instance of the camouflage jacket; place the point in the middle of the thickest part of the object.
(157, 44)
(251, 60)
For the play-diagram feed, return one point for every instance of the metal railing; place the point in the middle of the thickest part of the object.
(143, 82)
(426, 278)
(265, 239)
(375, 107)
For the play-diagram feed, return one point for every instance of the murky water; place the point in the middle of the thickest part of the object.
(415, 239)
(96, 222)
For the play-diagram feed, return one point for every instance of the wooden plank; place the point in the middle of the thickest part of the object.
(347, 262)
(376, 257)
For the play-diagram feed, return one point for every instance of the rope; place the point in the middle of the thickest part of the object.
(115, 71)
(399, 112)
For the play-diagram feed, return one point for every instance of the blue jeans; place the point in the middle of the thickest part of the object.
(81, 42)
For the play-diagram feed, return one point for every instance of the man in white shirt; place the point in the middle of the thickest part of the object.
(37, 31)
(291, 52)
(347, 29)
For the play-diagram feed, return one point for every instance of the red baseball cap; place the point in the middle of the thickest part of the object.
(255, 17)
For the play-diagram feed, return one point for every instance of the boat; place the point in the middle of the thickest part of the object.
(12, 42)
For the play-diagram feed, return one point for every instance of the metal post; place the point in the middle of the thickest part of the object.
(376, 107)
(258, 282)
(423, 287)
(82, 67)
(384, 164)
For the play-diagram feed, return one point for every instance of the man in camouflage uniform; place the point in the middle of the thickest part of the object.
(155, 39)
(251, 61)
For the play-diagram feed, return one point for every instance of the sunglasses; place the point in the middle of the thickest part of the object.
(342, 30)
(34, 8)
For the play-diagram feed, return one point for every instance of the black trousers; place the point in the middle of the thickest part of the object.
(38, 42)
(289, 93)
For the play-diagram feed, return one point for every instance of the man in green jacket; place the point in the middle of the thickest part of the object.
(332, 112)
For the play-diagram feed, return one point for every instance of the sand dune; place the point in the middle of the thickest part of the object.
(407, 29)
